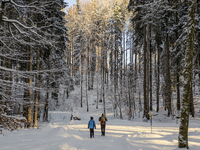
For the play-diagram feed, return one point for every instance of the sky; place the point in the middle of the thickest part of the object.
(70, 2)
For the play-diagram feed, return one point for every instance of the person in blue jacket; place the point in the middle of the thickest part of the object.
(91, 126)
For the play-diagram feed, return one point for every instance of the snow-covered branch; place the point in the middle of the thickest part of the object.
(4, 18)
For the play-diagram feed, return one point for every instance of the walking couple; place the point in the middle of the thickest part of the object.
(92, 125)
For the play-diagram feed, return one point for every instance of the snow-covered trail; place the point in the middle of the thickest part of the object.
(128, 135)
(62, 134)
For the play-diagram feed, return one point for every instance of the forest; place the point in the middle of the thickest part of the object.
(138, 56)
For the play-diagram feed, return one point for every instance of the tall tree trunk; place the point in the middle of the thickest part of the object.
(128, 82)
(150, 70)
(86, 91)
(9, 84)
(115, 74)
(97, 106)
(111, 68)
(150, 82)
(101, 72)
(126, 59)
(103, 91)
(121, 88)
(3, 4)
(198, 12)
(147, 68)
(87, 78)
(93, 65)
(199, 76)
(88, 70)
(139, 68)
(178, 72)
(191, 103)
(178, 89)
(129, 101)
(27, 97)
(37, 86)
(81, 81)
(158, 79)
(72, 58)
(2, 78)
(98, 80)
(29, 65)
(47, 96)
(168, 77)
(130, 87)
(135, 82)
(144, 82)
(183, 130)
(124, 49)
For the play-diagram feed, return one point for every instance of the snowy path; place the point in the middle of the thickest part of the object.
(61, 134)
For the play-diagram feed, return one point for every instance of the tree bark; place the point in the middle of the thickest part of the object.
(3, 4)
(27, 97)
(124, 48)
(145, 81)
(121, 88)
(168, 77)
(2, 77)
(103, 91)
(178, 73)
(8, 77)
(88, 70)
(81, 74)
(158, 79)
(178, 89)
(93, 65)
(98, 80)
(135, 82)
(37, 86)
(86, 90)
(47, 97)
(183, 130)
(191, 103)
(147, 70)
(199, 75)
(139, 73)
(115, 74)
(150, 69)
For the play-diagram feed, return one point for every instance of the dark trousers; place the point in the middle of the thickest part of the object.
(91, 133)
(103, 130)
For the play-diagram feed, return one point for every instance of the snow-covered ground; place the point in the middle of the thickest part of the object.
(63, 134)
